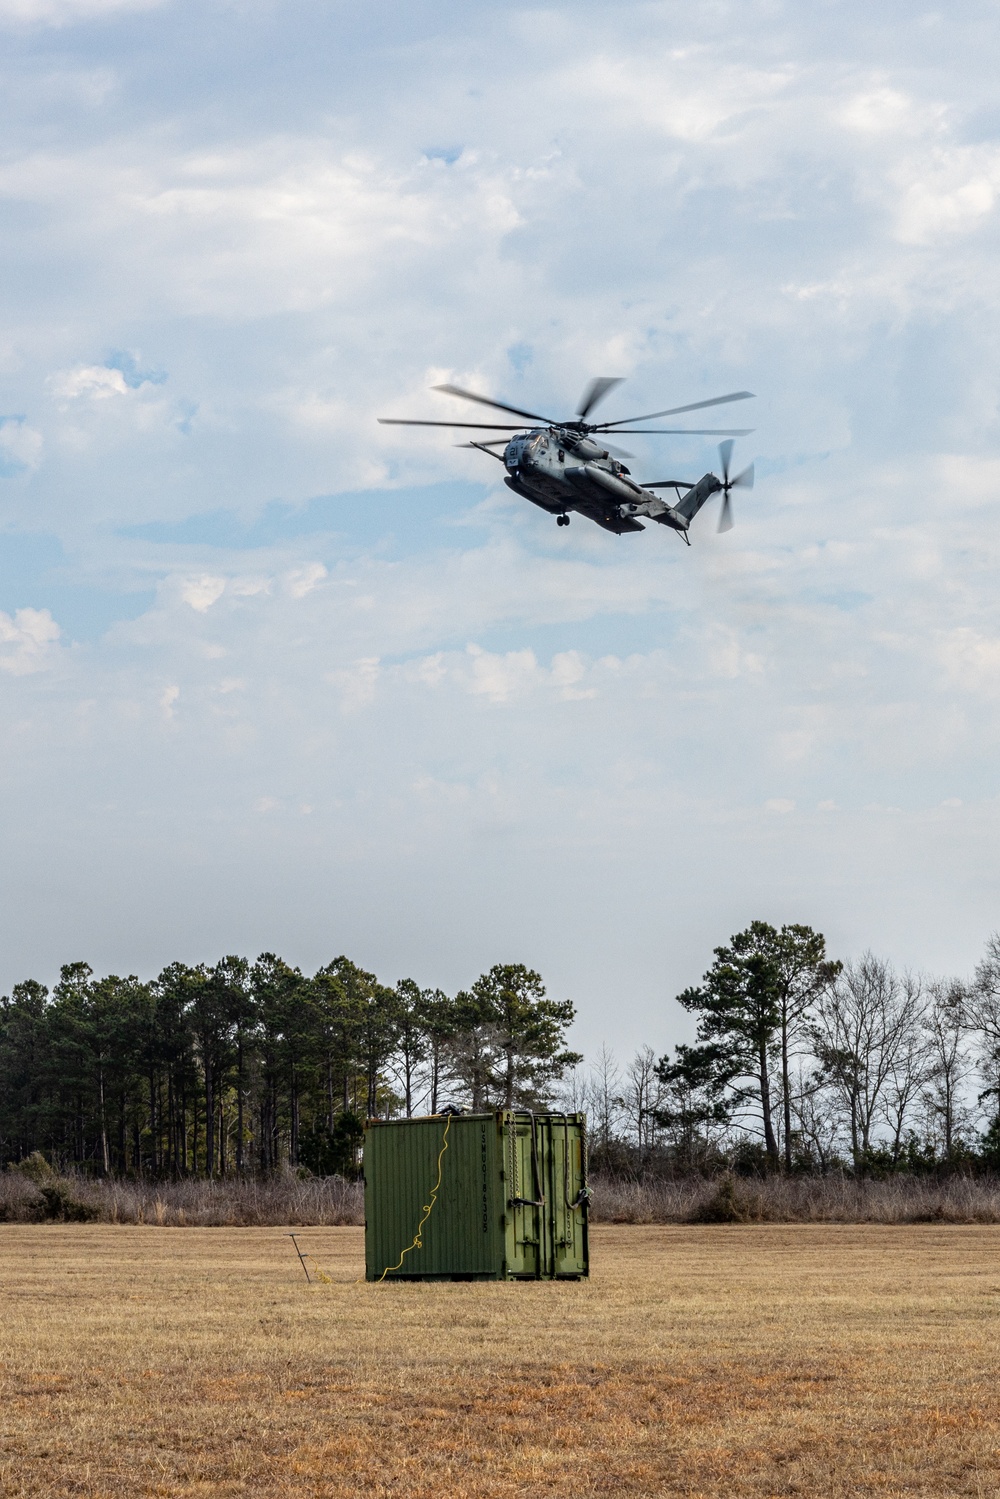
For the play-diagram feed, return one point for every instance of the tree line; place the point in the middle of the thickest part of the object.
(800, 1063)
(806, 1063)
(250, 1066)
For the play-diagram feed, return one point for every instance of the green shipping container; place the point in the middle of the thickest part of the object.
(476, 1197)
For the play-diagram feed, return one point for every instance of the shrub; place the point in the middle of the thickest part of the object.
(732, 1202)
(34, 1168)
(60, 1206)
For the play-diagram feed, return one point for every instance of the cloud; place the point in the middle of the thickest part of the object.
(65, 12)
(503, 677)
(972, 661)
(122, 373)
(304, 579)
(357, 683)
(880, 110)
(498, 677)
(201, 593)
(94, 380)
(20, 446)
(951, 192)
(27, 641)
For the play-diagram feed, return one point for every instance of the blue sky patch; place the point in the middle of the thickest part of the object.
(363, 517)
(134, 375)
(36, 573)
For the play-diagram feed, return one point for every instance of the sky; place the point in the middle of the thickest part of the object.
(273, 677)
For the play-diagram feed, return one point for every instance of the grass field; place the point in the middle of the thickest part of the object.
(757, 1361)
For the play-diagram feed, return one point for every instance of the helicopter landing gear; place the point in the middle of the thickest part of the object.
(562, 520)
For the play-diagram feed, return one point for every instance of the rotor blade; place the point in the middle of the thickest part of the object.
(482, 447)
(404, 421)
(725, 455)
(679, 431)
(737, 395)
(596, 391)
(745, 478)
(468, 395)
(501, 442)
(726, 514)
(669, 484)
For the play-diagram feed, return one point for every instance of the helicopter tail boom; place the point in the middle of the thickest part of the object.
(689, 504)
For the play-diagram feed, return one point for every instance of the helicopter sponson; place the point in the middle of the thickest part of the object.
(562, 466)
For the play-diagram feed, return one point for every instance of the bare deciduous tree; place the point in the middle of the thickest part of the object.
(864, 1024)
(948, 1062)
(602, 1102)
(982, 1008)
(603, 1099)
(814, 1116)
(640, 1100)
(908, 1073)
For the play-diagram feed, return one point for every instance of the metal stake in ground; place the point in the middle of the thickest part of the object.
(302, 1262)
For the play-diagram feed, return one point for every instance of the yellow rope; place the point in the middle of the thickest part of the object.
(428, 1208)
(319, 1273)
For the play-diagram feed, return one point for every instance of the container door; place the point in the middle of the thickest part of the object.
(524, 1209)
(567, 1203)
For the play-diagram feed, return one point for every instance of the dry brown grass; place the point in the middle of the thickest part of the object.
(727, 1361)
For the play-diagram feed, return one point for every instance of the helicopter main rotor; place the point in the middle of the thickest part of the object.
(595, 392)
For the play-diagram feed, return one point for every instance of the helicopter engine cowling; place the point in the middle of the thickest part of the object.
(585, 448)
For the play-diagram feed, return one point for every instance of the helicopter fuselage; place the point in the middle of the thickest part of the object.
(562, 471)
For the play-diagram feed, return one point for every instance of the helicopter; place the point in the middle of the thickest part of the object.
(562, 467)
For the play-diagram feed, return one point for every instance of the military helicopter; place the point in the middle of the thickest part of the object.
(562, 467)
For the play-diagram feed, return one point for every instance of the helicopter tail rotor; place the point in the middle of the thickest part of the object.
(742, 480)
